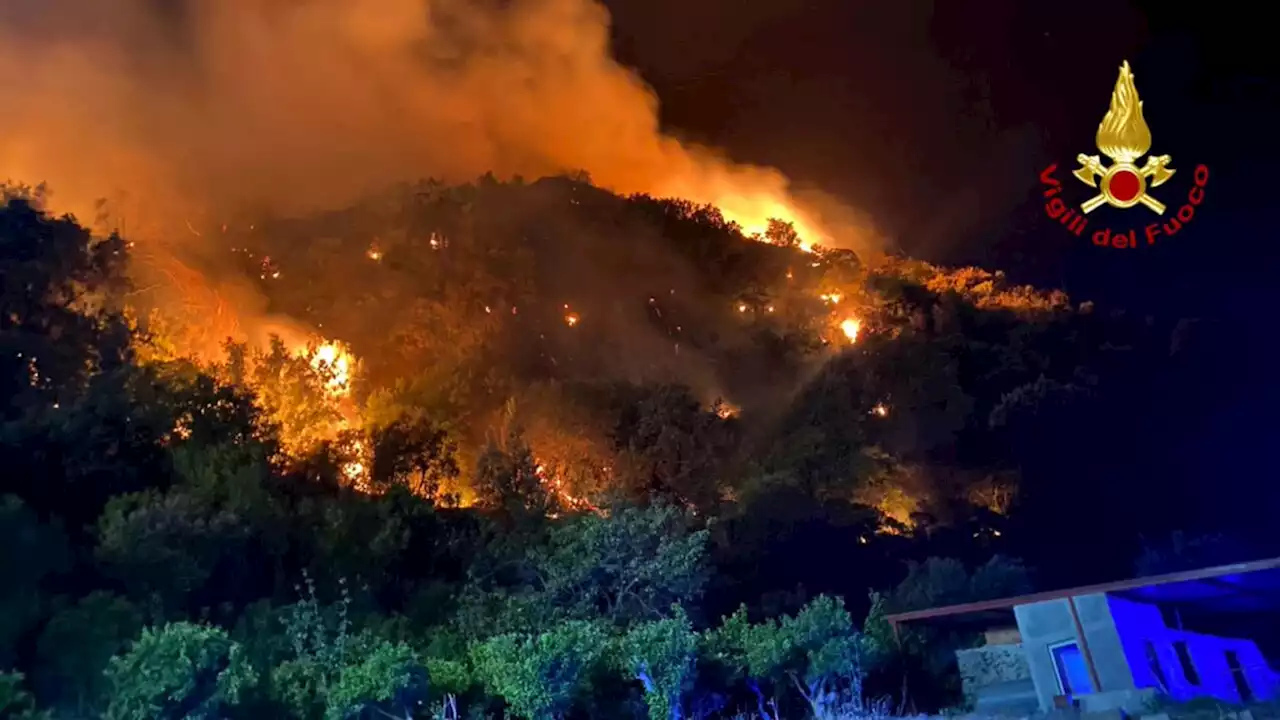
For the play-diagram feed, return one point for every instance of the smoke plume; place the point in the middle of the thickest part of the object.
(305, 103)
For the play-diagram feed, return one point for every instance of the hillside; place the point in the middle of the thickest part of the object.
(504, 422)
(469, 301)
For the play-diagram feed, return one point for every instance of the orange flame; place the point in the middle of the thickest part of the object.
(333, 359)
(851, 327)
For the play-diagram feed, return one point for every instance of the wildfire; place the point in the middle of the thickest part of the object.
(851, 327)
(333, 360)
(201, 318)
(725, 409)
(556, 487)
(356, 471)
(753, 215)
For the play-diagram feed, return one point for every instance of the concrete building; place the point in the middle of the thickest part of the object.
(1116, 645)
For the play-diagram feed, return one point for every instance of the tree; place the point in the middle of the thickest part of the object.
(180, 671)
(507, 480)
(540, 674)
(59, 288)
(335, 674)
(926, 654)
(782, 233)
(15, 702)
(675, 447)
(381, 679)
(31, 553)
(76, 645)
(168, 546)
(69, 457)
(633, 565)
(661, 655)
(297, 391)
(416, 455)
(817, 650)
(1183, 551)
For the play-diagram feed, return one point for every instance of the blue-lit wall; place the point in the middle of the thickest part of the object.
(1139, 624)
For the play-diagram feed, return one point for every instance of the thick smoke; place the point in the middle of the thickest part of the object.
(180, 113)
(305, 103)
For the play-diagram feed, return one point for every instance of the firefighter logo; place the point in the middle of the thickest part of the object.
(1124, 137)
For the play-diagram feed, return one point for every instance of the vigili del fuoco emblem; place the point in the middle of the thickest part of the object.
(1124, 138)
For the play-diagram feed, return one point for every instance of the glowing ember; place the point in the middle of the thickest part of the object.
(742, 307)
(556, 487)
(851, 328)
(571, 319)
(374, 253)
(832, 298)
(725, 409)
(880, 410)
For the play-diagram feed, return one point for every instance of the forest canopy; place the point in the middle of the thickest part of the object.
(541, 450)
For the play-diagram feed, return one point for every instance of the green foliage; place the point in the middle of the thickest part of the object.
(661, 655)
(938, 582)
(76, 645)
(167, 546)
(817, 650)
(201, 492)
(15, 702)
(334, 674)
(507, 480)
(633, 565)
(822, 640)
(178, 671)
(946, 581)
(876, 629)
(448, 677)
(539, 675)
(30, 552)
(371, 539)
(381, 675)
(675, 447)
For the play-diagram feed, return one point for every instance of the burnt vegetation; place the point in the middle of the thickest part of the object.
(593, 456)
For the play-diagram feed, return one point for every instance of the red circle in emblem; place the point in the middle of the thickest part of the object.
(1124, 186)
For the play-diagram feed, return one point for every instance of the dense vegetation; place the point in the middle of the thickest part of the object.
(601, 457)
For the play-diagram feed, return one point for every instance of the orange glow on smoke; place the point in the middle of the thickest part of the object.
(202, 318)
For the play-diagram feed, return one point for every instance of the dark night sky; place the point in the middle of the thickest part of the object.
(937, 118)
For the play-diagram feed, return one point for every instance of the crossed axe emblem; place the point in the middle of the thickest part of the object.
(1123, 184)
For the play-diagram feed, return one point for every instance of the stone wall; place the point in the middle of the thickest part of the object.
(997, 680)
(992, 665)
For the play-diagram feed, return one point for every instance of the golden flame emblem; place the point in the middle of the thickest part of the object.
(1123, 136)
